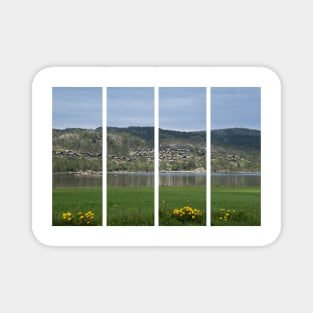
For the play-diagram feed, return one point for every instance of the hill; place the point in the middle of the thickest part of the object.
(76, 149)
(239, 138)
(132, 149)
(235, 150)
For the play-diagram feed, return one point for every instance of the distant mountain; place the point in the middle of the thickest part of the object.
(240, 138)
(147, 134)
(192, 137)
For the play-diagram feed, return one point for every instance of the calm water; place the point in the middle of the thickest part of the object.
(72, 180)
(236, 180)
(182, 179)
(147, 179)
(165, 179)
(130, 179)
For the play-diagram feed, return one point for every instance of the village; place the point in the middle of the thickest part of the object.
(166, 154)
(71, 153)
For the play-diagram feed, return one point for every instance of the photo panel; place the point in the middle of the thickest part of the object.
(130, 156)
(77, 156)
(235, 156)
(182, 156)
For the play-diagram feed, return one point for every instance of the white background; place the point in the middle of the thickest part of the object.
(262, 77)
(37, 34)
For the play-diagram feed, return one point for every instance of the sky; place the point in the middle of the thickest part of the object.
(130, 106)
(76, 107)
(182, 108)
(235, 107)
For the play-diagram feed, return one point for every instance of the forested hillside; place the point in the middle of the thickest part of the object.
(77, 149)
(235, 150)
(132, 149)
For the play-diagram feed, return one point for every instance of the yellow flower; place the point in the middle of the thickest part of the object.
(88, 222)
(69, 219)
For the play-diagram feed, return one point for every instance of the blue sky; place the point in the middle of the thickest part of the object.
(235, 107)
(130, 106)
(79, 107)
(182, 108)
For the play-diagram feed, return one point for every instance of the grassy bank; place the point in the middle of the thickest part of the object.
(130, 206)
(171, 198)
(77, 206)
(239, 206)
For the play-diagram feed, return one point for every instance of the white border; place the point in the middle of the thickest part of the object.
(156, 77)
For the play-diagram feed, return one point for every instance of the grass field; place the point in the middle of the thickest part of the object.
(238, 206)
(171, 198)
(130, 206)
(77, 202)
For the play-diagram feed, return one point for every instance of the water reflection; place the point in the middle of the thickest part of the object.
(147, 179)
(130, 179)
(236, 180)
(165, 179)
(182, 179)
(72, 180)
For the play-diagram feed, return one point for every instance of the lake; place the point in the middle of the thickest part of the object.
(140, 179)
(143, 179)
(147, 179)
(236, 180)
(72, 180)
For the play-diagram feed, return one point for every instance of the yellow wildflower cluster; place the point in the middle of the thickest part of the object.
(68, 216)
(187, 213)
(226, 215)
(86, 218)
(78, 219)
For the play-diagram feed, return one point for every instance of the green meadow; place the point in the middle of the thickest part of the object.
(130, 206)
(77, 206)
(134, 206)
(235, 206)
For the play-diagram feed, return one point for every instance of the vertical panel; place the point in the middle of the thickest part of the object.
(235, 156)
(77, 156)
(182, 156)
(130, 156)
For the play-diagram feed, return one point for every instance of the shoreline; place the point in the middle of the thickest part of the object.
(98, 174)
(81, 173)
